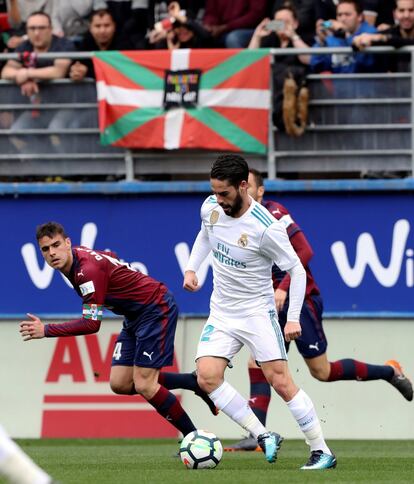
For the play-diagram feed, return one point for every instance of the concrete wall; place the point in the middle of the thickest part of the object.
(349, 410)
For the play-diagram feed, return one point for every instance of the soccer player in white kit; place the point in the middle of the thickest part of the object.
(16, 466)
(245, 241)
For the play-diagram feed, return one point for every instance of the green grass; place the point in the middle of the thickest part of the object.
(127, 461)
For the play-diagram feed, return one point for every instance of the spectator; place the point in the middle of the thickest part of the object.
(188, 35)
(180, 31)
(289, 71)
(375, 12)
(102, 35)
(232, 23)
(138, 16)
(131, 14)
(70, 19)
(159, 10)
(280, 33)
(306, 14)
(19, 12)
(187, 15)
(30, 69)
(399, 35)
(340, 33)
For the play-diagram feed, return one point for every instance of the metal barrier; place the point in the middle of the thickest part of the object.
(357, 123)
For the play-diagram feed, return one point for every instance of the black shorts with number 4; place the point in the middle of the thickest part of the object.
(148, 340)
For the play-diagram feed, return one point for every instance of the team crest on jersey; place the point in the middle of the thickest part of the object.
(214, 217)
(87, 288)
(242, 242)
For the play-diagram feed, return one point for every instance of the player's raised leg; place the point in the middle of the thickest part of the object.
(139, 355)
(128, 380)
(164, 402)
(350, 369)
(186, 381)
(260, 394)
(210, 372)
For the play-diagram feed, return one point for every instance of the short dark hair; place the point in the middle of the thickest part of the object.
(355, 3)
(257, 177)
(50, 229)
(287, 6)
(101, 13)
(230, 167)
(39, 12)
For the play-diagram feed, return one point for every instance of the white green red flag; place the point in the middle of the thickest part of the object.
(223, 99)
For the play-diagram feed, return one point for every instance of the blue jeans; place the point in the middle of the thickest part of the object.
(238, 39)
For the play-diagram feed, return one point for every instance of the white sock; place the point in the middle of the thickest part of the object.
(230, 402)
(16, 466)
(304, 412)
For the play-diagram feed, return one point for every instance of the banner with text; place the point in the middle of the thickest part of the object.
(363, 244)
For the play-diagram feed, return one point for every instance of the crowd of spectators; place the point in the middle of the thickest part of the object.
(215, 23)
(30, 27)
(87, 25)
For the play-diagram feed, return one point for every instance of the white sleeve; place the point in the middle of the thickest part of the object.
(296, 291)
(275, 245)
(201, 249)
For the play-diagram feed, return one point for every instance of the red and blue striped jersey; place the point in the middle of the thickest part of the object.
(102, 280)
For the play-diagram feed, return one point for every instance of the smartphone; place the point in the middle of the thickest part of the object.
(275, 26)
(326, 25)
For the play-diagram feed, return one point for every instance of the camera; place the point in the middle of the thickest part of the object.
(275, 26)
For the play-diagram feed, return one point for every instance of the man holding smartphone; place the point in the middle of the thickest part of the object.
(340, 32)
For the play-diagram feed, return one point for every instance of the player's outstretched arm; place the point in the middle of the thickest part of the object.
(190, 281)
(33, 329)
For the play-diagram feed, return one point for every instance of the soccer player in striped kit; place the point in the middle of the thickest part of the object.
(312, 344)
(245, 241)
(146, 342)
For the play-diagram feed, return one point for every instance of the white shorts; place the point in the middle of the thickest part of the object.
(261, 333)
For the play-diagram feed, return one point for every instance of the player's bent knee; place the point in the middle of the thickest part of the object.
(121, 388)
(319, 367)
(321, 374)
(208, 382)
(145, 387)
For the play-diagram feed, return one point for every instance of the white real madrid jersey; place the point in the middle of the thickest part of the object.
(244, 250)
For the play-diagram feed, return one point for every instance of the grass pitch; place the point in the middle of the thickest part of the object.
(152, 461)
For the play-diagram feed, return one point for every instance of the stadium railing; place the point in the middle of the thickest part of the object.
(359, 125)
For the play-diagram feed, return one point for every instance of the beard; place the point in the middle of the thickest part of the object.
(233, 210)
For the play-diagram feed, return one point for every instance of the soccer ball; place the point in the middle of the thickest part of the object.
(200, 450)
